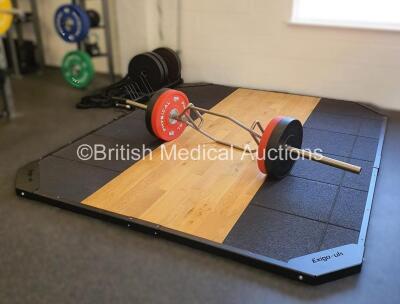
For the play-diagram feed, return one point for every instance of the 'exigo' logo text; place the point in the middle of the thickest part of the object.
(326, 258)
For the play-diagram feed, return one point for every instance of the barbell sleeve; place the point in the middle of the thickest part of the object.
(325, 160)
(131, 103)
(136, 104)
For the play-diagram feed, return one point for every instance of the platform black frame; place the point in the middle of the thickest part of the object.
(316, 268)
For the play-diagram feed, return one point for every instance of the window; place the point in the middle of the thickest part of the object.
(375, 14)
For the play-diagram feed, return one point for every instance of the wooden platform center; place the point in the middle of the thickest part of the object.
(201, 197)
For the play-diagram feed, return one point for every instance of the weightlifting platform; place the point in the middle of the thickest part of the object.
(311, 226)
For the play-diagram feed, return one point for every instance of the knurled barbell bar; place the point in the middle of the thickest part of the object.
(169, 112)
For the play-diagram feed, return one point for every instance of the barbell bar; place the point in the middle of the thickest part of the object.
(168, 114)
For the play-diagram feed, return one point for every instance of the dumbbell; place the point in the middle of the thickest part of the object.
(169, 112)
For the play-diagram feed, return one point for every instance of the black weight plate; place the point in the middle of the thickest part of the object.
(94, 17)
(173, 62)
(288, 131)
(163, 64)
(147, 67)
(150, 104)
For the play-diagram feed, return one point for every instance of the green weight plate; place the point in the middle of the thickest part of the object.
(77, 69)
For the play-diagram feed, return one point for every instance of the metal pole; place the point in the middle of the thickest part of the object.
(6, 90)
(13, 51)
(81, 3)
(133, 103)
(8, 98)
(38, 34)
(325, 160)
(18, 23)
(107, 29)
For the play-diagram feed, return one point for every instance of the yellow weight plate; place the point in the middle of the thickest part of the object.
(5, 18)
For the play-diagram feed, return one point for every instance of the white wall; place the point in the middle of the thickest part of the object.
(250, 43)
(142, 28)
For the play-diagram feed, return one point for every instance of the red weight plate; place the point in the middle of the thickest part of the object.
(264, 141)
(168, 103)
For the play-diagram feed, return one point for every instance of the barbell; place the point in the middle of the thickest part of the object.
(169, 112)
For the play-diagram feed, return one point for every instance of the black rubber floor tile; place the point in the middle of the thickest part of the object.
(66, 180)
(334, 123)
(340, 107)
(365, 148)
(274, 234)
(328, 142)
(206, 96)
(371, 128)
(349, 208)
(298, 196)
(337, 236)
(131, 128)
(318, 172)
(359, 181)
(119, 151)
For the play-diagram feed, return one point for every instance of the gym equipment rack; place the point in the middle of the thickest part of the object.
(105, 25)
(19, 35)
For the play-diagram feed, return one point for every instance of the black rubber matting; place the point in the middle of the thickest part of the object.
(317, 207)
(310, 226)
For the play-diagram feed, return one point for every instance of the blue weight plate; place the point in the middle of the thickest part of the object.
(72, 23)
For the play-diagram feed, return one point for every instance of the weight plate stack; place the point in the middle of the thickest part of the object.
(163, 64)
(172, 61)
(77, 69)
(72, 23)
(147, 71)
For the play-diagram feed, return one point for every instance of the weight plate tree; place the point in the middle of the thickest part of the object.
(77, 69)
(72, 23)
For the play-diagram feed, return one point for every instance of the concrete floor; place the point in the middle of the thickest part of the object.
(50, 255)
